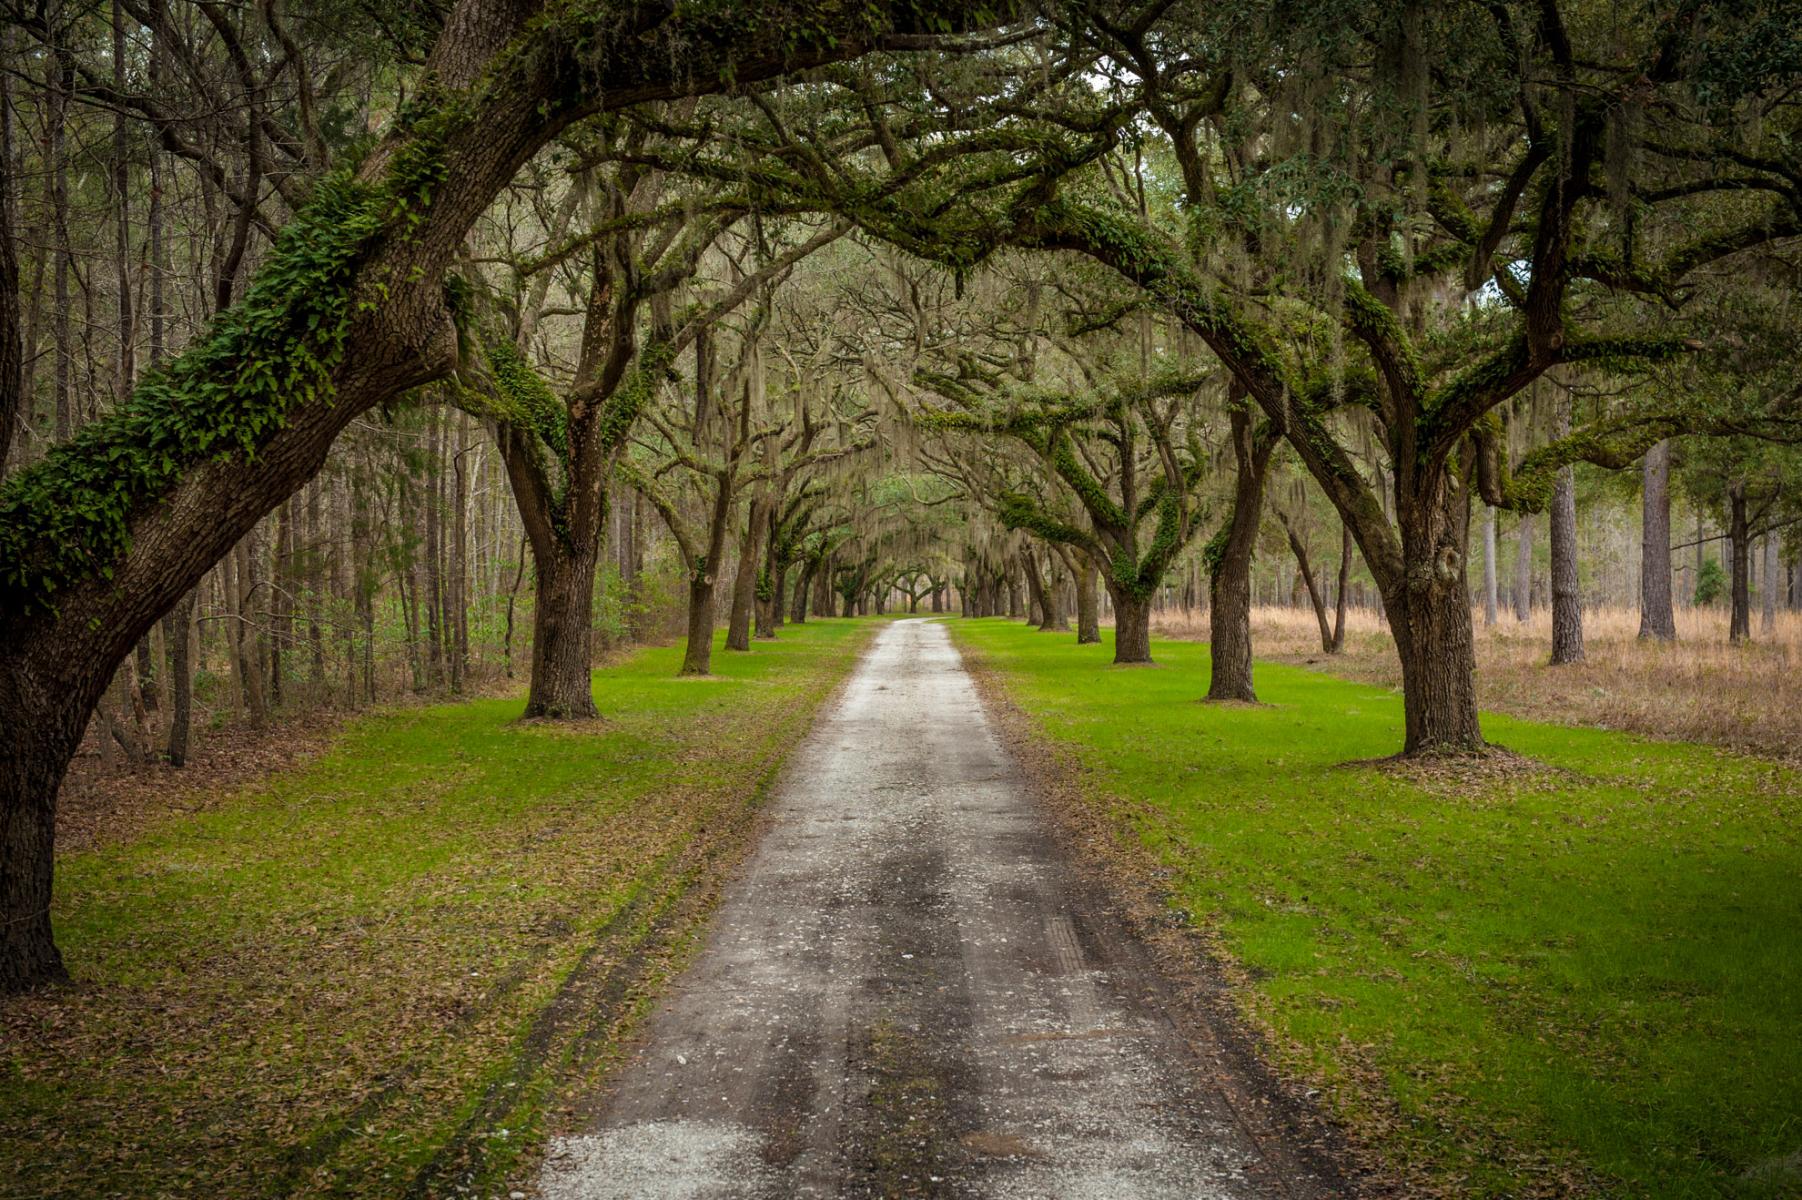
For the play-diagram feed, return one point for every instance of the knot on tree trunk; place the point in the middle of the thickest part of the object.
(1448, 565)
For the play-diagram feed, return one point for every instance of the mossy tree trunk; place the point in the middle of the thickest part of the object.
(1339, 599)
(562, 635)
(1429, 614)
(1229, 561)
(1132, 627)
(697, 652)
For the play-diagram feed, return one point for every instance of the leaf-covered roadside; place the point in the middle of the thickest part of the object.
(381, 972)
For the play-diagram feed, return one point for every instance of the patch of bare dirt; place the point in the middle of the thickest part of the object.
(105, 803)
(1454, 774)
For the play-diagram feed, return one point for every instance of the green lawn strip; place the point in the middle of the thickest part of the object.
(1588, 973)
(309, 986)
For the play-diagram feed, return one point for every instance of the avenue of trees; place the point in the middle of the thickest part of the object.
(367, 346)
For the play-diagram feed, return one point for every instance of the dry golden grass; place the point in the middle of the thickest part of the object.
(1702, 688)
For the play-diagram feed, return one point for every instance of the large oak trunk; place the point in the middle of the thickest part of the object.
(1229, 630)
(1132, 627)
(697, 654)
(1046, 607)
(33, 757)
(1428, 607)
(562, 631)
(765, 623)
(779, 599)
(1433, 637)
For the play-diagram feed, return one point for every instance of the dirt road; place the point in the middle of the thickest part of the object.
(908, 992)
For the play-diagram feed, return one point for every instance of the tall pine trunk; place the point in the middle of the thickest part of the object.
(458, 560)
(62, 79)
(1567, 598)
(12, 346)
(1490, 593)
(1772, 577)
(697, 653)
(1305, 571)
(1523, 569)
(432, 587)
(1656, 619)
(177, 631)
(1740, 629)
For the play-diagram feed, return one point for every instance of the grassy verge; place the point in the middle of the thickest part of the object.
(1586, 977)
(380, 974)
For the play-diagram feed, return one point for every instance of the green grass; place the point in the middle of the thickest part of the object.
(1515, 985)
(333, 980)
